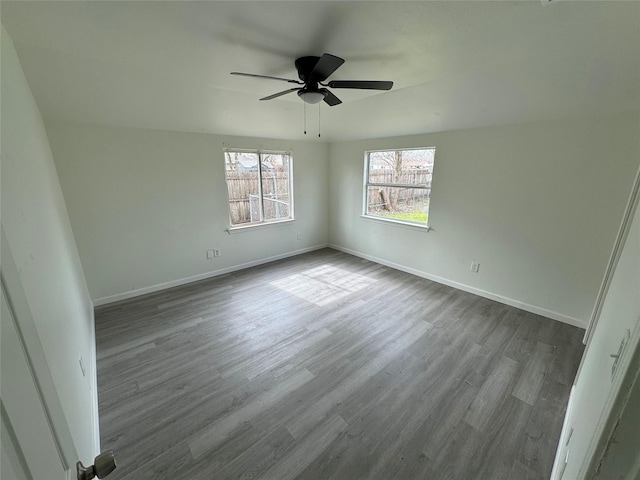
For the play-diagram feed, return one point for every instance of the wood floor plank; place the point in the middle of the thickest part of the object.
(530, 382)
(308, 449)
(253, 461)
(503, 440)
(453, 459)
(327, 365)
(544, 426)
(321, 407)
(211, 436)
(168, 465)
(566, 358)
(129, 354)
(493, 389)
(207, 294)
(146, 339)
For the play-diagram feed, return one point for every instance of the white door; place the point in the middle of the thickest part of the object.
(29, 447)
(615, 339)
(622, 455)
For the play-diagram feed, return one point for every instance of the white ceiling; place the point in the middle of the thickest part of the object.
(455, 65)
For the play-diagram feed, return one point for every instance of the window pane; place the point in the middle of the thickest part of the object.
(408, 167)
(399, 184)
(406, 204)
(242, 181)
(275, 186)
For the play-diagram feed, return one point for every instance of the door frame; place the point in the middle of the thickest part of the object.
(621, 238)
(16, 300)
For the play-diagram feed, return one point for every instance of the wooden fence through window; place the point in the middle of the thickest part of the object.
(244, 189)
(380, 197)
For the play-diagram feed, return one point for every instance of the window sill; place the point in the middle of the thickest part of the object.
(399, 223)
(245, 228)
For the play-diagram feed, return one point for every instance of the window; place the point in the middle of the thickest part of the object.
(259, 186)
(398, 185)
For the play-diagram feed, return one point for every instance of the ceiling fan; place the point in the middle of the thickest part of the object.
(313, 71)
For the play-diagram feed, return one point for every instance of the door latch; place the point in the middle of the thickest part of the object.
(616, 357)
(103, 465)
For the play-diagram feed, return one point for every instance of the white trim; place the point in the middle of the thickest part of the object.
(616, 252)
(72, 473)
(250, 226)
(476, 291)
(400, 223)
(417, 186)
(562, 442)
(203, 276)
(95, 410)
(433, 147)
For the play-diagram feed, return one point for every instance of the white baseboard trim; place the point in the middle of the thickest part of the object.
(94, 389)
(203, 276)
(476, 291)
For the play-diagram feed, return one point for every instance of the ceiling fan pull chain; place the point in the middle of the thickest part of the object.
(305, 118)
(318, 120)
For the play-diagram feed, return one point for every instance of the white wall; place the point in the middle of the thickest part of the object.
(37, 229)
(146, 205)
(538, 205)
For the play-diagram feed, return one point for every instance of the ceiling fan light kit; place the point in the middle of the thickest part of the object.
(311, 97)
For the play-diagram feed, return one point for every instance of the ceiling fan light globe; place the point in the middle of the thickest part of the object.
(311, 97)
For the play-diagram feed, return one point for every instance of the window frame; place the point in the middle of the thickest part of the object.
(367, 184)
(262, 223)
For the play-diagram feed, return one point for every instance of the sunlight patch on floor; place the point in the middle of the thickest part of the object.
(324, 284)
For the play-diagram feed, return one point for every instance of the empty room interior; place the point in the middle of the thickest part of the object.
(320, 239)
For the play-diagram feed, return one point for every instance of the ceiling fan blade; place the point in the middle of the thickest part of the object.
(325, 67)
(361, 84)
(266, 76)
(279, 94)
(329, 98)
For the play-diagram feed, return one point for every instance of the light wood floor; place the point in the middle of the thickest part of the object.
(329, 366)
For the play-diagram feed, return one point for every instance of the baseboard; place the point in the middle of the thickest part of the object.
(94, 386)
(460, 286)
(467, 288)
(203, 276)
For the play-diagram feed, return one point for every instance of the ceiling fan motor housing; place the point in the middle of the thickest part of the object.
(304, 66)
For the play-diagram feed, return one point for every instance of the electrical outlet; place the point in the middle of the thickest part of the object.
(475, 267)
(209, 253)
(216, 252)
